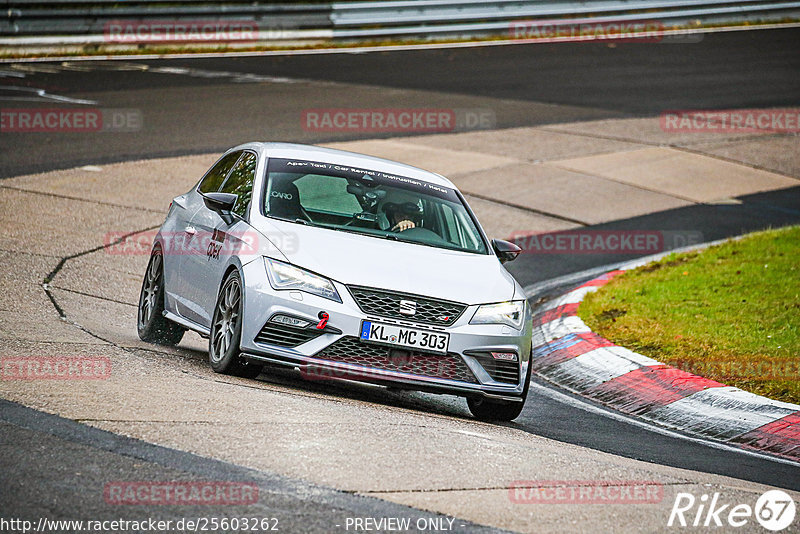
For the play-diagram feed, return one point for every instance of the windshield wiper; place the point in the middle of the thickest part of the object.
(306, 222)
(395, 237)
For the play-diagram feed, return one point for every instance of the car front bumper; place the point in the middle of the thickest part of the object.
(466, 369)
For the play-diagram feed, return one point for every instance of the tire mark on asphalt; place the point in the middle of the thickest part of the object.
(78, 199)
(92, 296)
(688, 147)
(63, 261)
(639, 141)
(690, 150)
(544, 484)
(524, 208)
(29, 253)
(628, 184)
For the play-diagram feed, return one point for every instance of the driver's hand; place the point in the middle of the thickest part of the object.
(403, 225)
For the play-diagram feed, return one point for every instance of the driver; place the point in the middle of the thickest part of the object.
(402, 210)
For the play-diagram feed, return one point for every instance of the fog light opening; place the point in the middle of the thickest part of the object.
(288, 320)
(504, 356)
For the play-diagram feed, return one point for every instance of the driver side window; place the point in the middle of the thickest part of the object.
(214, 178)
(240, 182)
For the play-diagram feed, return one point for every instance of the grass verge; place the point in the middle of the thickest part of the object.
(730, 313)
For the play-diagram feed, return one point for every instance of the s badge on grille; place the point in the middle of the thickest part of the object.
(408, 307)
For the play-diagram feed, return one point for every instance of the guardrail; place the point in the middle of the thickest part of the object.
(474, 17)
(53, 22)
(70, 17)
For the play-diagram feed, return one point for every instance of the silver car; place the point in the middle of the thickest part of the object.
(343, 266)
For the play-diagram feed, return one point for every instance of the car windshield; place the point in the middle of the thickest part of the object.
(369, 202)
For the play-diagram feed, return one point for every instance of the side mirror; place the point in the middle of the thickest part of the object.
(505, 251)
(222, 203)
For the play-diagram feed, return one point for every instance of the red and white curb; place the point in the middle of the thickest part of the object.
(567, 353)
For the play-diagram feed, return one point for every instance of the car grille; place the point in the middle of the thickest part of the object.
(351, 350)
(387, 304)
(499, 370)
(286, 336)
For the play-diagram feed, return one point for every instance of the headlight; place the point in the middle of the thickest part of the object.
(283, 276)
(510, 313)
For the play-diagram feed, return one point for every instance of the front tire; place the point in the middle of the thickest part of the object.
(488, 410)
(226, 332)
(151, 325)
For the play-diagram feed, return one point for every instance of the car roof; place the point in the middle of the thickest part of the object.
(343, 157)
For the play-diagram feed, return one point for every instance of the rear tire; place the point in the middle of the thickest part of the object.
(226, 332)
(489, 410)
(151, 325)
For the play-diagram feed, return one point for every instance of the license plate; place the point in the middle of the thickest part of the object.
(405, 337)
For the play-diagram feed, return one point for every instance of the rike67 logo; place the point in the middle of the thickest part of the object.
(774, 510)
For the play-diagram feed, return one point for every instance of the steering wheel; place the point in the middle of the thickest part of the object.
(357, 218)
(423, 235)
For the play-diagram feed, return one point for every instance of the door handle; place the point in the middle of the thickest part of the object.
(191, 230)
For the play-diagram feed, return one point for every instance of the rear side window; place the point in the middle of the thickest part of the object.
(240, 182)
(214, 178)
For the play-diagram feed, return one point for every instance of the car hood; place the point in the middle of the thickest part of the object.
(382, 263)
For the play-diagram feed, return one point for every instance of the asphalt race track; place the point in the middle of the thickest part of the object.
(197, 106)
(200, 109)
